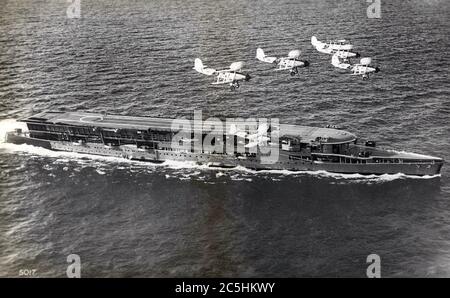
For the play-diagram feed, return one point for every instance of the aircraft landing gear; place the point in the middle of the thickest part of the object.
(365, 77)
(294, 71)
(234, 85)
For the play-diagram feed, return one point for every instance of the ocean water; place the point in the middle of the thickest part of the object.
(132, 219)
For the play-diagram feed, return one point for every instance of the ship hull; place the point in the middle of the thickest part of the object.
(229, 161)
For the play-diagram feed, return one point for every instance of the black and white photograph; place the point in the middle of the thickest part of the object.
(243, 139)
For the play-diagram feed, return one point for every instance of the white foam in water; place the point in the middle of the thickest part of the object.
(64, 157)
(9, 125)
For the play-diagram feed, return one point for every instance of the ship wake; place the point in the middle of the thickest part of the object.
(181, 170)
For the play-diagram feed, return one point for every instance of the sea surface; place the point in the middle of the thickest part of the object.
(132, 219)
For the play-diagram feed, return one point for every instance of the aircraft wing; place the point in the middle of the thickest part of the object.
(359, 70)
(234, 67)
(224, 71)
(338, 47)
(225, 77)
(285, 64)
(284, 67)
(223, 80)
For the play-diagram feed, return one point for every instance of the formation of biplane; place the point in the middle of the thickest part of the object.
(341, 51)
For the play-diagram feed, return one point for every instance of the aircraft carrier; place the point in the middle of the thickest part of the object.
(298, 148)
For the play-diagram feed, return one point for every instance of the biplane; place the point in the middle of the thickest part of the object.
(291, 62)
(231, 76)
(363, 68)
(340, 47)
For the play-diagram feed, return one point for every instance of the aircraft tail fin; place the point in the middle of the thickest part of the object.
(316, 43)
(198, 66)
(261, 56)
(335, 60)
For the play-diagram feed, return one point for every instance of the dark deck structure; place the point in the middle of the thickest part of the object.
(117, 122)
